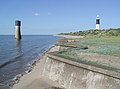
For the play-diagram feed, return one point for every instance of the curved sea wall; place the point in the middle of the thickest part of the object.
(72, 75)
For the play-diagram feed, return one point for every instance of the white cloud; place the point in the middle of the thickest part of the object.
(37, 14)
(49, 13)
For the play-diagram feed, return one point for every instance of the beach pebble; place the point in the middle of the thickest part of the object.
(17, 78)
(27, 71)
(34, 63)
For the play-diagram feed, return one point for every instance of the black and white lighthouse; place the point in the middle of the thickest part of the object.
(98, 23)
(17, 32)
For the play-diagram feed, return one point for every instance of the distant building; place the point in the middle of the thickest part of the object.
(98, 23)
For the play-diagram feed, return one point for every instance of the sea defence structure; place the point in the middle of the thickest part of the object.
(67, 73)
(98, 23)
(17, 28)
(73, 75)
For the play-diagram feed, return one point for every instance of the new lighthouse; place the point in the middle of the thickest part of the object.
(17, 29)
(98, 23)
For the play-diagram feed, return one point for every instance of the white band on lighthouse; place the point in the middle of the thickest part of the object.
(97, 26)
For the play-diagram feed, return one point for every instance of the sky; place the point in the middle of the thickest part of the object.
(57, 16)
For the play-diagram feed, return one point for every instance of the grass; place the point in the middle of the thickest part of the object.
(102, 46)
(96, 33)
(72, 44)
(71, 54)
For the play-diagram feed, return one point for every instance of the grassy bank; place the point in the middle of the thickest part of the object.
(103, 45)
(104, 51)
(95, 33)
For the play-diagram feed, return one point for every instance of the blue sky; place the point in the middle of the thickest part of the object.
(55, 16)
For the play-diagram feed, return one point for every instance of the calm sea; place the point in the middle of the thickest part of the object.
(17, 56)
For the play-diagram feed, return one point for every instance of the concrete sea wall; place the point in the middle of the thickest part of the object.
(77, 77)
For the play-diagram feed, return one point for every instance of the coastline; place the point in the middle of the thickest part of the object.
(49, 73)
(69, 36)
(20, 57)
(34, 79)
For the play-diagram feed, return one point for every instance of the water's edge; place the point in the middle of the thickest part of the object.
(17, 78)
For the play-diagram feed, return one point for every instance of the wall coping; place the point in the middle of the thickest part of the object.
(84, 66)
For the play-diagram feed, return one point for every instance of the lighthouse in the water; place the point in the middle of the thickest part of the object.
(98, 23)
(17, 32)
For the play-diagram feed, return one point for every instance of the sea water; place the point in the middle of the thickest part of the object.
(16, 56)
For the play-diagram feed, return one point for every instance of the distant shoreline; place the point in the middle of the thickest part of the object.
(69, 36)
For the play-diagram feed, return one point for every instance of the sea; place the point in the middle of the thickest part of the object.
(18, 56)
